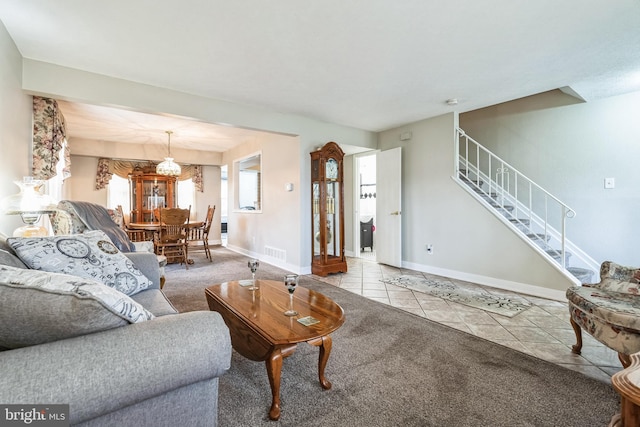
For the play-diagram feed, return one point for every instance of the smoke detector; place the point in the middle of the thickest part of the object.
(452, 101)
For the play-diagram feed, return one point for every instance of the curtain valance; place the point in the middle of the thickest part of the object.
(108, 167)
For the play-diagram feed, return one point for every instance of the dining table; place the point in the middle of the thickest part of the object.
(154, 227)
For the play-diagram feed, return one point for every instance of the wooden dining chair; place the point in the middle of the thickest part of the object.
(134, 235)
(172, 237)
(199, 236)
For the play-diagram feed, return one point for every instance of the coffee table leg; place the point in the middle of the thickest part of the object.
(325, 350)
(274, 371)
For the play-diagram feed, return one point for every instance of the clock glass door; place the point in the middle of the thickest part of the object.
(316, 220)
(333, 219)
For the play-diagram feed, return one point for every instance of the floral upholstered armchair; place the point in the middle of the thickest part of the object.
(609, 310)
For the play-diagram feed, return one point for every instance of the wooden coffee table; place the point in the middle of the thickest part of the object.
(261, 332)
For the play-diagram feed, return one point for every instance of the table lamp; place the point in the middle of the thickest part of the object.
(30, 204)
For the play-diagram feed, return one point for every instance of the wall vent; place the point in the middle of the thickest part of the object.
(275, 253)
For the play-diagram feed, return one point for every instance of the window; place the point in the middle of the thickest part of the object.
(248, 178)
(224, 198)
(118, 194)
(186, 196)
(54, 186)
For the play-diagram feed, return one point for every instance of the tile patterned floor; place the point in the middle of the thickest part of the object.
(542, 331)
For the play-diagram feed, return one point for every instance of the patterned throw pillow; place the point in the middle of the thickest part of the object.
(39, 307)
(90, 255)
(619, 278)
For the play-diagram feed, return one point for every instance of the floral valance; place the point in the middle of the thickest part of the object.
(48, 135)
(108, 167)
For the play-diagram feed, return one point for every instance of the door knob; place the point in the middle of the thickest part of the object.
(395, 213)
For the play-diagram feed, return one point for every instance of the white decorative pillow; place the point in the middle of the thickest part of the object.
(90, 255)
(39, 307)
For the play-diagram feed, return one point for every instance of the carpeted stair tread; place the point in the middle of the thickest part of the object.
(584, 275)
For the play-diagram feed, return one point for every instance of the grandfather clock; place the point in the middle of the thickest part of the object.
(327, 211)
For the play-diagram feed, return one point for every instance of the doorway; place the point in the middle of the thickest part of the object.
(366, 167)
(224, 206)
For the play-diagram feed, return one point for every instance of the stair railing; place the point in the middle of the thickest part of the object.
(527, 206)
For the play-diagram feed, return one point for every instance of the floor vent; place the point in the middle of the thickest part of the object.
(275, 253)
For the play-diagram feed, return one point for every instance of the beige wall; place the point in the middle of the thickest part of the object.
(276, 229)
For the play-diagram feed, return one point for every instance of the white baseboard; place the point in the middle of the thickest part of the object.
(271, 261)
(523, 288)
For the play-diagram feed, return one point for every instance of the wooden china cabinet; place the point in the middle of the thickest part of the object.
(327, 211)
(149, 191)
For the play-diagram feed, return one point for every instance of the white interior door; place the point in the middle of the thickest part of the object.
(388, 207)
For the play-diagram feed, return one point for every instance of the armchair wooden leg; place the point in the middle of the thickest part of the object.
(162, 280)
(624, 359)
(577, 348)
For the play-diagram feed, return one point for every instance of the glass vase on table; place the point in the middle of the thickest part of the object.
(291, 281)
(253, 265)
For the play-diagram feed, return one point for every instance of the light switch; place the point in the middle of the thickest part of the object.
(609, 183)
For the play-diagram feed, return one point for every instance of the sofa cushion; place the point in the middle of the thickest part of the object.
(155, 301)
(90, 255)
(39, 307)
(8, 258)
(610, 307)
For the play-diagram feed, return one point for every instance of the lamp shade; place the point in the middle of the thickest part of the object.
(168, 166)
(29, 203)
(29, 200)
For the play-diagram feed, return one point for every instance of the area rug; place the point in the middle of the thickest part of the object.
(391, 368)
(471, 295)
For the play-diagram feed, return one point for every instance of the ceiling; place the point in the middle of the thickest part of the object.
(370, 64)
(92, 122)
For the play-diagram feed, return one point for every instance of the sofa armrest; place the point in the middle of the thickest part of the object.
(103, 372)
(147, 263)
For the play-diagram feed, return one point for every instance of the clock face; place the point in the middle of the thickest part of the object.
(107, 247)
(125, 282)
(73, 248)
(331, 169)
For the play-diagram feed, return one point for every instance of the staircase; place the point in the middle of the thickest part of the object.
(526, 208)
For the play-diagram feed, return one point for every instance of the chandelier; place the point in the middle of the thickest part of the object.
(168, 166)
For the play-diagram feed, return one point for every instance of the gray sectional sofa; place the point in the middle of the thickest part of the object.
(158, 372)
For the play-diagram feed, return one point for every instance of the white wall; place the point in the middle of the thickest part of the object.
(569, 147)
(469, 242)
(15, 126)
